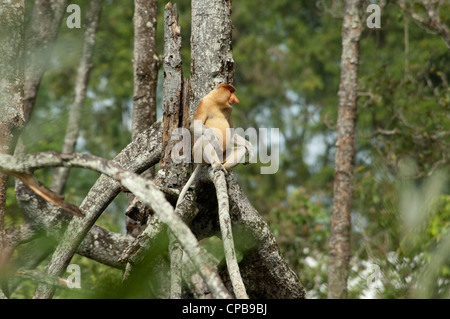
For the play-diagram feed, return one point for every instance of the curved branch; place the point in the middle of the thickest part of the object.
(218, 177)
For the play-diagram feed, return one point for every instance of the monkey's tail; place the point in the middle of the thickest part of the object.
(188, 184)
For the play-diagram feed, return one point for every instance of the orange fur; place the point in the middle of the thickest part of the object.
(214, 111)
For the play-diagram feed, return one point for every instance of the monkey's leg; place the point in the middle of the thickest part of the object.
(240, 141)
(240, 147)
(237, 155)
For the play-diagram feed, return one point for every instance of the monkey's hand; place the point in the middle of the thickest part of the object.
(210, 135)
(219, 166)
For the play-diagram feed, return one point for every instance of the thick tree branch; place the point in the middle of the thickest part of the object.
(176, 257)
(264, 270)
(173, 174)
(104, 246)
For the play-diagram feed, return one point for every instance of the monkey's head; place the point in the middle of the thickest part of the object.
(226, 94)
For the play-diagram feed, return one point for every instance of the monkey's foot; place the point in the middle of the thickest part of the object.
(218, 166)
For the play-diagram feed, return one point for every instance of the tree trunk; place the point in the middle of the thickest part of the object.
(145, 69)
(175, 103)
(12, 15)
(170, 173)
(345, 152)
(41, 34)
(211, 52)
(144, 65)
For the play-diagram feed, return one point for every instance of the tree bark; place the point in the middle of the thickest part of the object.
(173, 174)
(40, 36)
(145, 65)
(81, 83)
(175, 105)
(145, 70)
(211, 51)
(340, 249)
(12, 118)
(45, 218)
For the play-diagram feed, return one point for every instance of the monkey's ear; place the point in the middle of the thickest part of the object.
(227, 86)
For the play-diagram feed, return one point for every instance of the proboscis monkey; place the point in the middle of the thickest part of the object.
(212, 127)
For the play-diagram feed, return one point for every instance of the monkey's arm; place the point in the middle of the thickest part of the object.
(203, 151)
(206, 141)
(197, 126)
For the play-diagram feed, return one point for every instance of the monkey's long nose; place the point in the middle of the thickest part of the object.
(233, 99)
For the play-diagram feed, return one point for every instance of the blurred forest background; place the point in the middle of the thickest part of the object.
(287, 68)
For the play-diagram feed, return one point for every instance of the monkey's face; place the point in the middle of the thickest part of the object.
(227, 94)
(233, 98)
